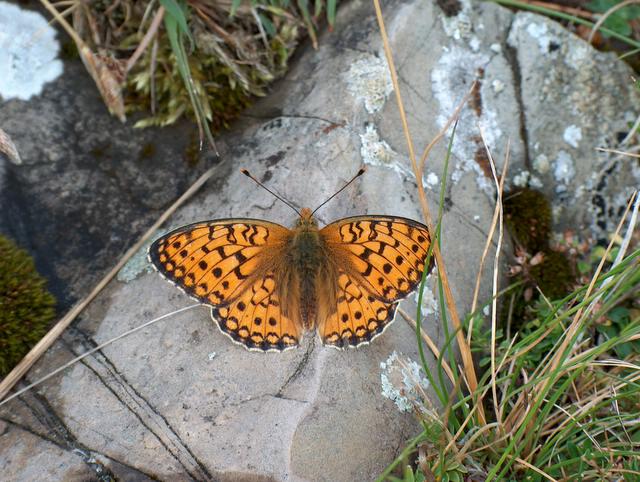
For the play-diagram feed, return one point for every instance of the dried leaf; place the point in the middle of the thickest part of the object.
(9, 148)
(109, 74)
(537, 259)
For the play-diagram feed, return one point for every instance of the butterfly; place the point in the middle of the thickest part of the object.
(267, 284)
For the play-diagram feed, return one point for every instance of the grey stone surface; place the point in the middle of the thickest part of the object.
(573, 101)
(179, 400)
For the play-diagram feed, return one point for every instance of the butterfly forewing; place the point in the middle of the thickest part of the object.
(389, 253)
(225, 264)
(383, 260)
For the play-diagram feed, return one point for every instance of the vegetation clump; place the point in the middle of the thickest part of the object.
(26, 307)
(528, 217)
(190, 57)
(539, 267)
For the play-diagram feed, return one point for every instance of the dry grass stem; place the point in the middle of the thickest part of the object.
(107, 72)
(576, 323)
(534, 468)
(150, 35)
(454, 117)
(626, 241)
(9, 148)
(616, 151)
(465, 350)
(496, 265)
(497, 217)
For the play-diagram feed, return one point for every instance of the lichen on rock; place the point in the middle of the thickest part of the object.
(28, 53)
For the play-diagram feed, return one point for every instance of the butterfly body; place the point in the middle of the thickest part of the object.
(305, 256)
(267, 284)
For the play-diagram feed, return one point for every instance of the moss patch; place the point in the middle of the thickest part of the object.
(539, 267)
(528, 217)
(553, 275)
(26, 307)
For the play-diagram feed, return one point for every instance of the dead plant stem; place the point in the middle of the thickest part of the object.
(465, 350)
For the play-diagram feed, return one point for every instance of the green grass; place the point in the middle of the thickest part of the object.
(563, 399)
(205, 60)
(570, 408)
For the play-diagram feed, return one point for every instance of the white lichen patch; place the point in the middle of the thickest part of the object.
(496, 47)
(537, 30)
(137, 265)
(535, 182)
(564, 169)
(578, 55)
(459, 26)
(404, 383)
(368, 80)
(377, 152)
(474, 43)
(541, 164)
(28, 51)
(521, 179)
(572, 135)
(430, 306)
(432, 180)
(497, 85)
(540, 33)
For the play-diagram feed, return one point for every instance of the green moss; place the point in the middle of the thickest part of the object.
(222, 97)
(26, 307)
(553, 275)
(528, 218)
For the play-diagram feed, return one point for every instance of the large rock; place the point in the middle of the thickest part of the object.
(181, 401)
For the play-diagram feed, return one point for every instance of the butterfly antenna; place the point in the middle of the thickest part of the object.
(360, 173)
(248, 174)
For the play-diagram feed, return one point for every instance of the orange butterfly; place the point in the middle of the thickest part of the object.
(266, 284)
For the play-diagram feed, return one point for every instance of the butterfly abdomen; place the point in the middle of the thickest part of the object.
(305, 258)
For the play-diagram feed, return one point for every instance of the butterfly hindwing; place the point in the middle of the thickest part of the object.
(256, 318)
(215, 261)
(389, 253)
(358, 316)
